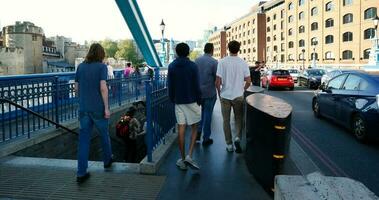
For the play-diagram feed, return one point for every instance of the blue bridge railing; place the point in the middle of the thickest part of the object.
(160, 113)
(53, 96)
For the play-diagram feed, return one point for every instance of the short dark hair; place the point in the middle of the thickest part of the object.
(234, 46)
(182, 49)
(128, 64)
(96, 53)
(208, 48)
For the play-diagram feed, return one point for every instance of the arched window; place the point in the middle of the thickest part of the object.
(290, 57)
(369, 33)
(314, 41)
(301, 2)
(268, 29)
(301, 56)
(268, 19)
(366, 54)
(290, 44)
(301, 29)
(328, 6)
(347, 37)
(346, 55)
(301, 43)
(329, 39)
(301, 15)
(347, 2)
(329, 55)
(314, 11)
(348, 18)
(314, 55)
(314, 26)
(290, 31)
(290, 6)
(290, 19)
(329, 23)
(370, 13)
(268, 39)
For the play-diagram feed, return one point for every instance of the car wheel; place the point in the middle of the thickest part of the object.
(359, 128)
(316, 108)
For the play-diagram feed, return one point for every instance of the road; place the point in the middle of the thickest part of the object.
(332, 148)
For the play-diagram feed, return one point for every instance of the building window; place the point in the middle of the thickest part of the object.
(347, 55)
(301, 29)
(254, 31)
(268, 39)
(314, 56)
(329, 23)
(274, 37)
(281, 25)
(314, 41)
(301, 43)
(274, 16)
(290, 57)
(34, 37)
(369, 33)
(370, 13)
(314, 11)
(301, 15)
(268, 29)
(329, 6)
(275, 48)
(347, 2)
(290, 19)
(282, 36)
(290, 31)
(290, 44)
(290, 6)
(268, 19)
(282, 14)
(282, 47)
(329, 39)
(301, 2)
(347, 37)
(274, 27)
(314, 26)
(329, 55)
(348, 18)
(301, 56)
(366, 54)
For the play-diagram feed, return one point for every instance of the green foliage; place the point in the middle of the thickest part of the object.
(110, 47)
(194, 54)
(121, 49)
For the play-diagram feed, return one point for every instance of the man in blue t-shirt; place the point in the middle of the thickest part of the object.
(184, 92)
(91, 89)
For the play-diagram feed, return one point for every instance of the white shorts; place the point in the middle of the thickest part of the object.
(187, 114)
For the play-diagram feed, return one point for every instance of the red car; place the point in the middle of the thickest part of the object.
(277, 78)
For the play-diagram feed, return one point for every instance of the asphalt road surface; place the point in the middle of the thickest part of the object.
(331, 147)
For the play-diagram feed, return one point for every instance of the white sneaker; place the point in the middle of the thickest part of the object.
(181, 164)
(191, 163)
(229, 148)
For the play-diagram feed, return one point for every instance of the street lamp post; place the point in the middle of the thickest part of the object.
(303, 50)
(163, 56)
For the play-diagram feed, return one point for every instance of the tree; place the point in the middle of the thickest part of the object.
(128, 51)
(194, 54)
(110, 47)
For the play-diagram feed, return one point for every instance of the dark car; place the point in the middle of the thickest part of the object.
(352, 100)
(311, 78)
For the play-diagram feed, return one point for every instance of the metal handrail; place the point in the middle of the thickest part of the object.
(36, 114)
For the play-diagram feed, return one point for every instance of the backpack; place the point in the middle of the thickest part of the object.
(122, 128)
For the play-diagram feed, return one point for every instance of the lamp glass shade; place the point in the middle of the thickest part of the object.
(163, 25)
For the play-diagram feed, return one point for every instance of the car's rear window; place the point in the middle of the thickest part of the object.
(293, 71)
(280, 72)
(316, 72)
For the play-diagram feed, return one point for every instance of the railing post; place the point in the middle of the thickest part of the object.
(156, 76)
(56, 99)
(149, 120)
(119, 90)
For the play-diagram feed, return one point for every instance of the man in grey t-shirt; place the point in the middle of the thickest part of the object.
(207, 77)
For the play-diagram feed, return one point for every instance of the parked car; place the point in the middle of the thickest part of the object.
(332, 73)
(352, 100)
(278, 78)
(295, 74)
(311, 78)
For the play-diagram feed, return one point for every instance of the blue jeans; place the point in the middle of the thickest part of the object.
(87, 120)
(207, 105)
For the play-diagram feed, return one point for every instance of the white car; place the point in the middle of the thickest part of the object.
(295, 74)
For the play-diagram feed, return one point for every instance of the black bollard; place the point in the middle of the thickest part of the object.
(268, 125)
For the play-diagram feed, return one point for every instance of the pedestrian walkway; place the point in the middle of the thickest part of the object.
(223, 175)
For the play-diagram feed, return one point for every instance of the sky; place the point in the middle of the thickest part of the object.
(100, 19)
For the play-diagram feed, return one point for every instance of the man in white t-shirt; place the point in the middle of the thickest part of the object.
(110, 71)
(233, 78)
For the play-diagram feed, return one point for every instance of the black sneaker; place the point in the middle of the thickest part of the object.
(198, 137)
(82, 179)
(238, 147)
(207, 142)
(106, 166)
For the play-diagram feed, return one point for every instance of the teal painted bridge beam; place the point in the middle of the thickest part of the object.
(137, 26)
